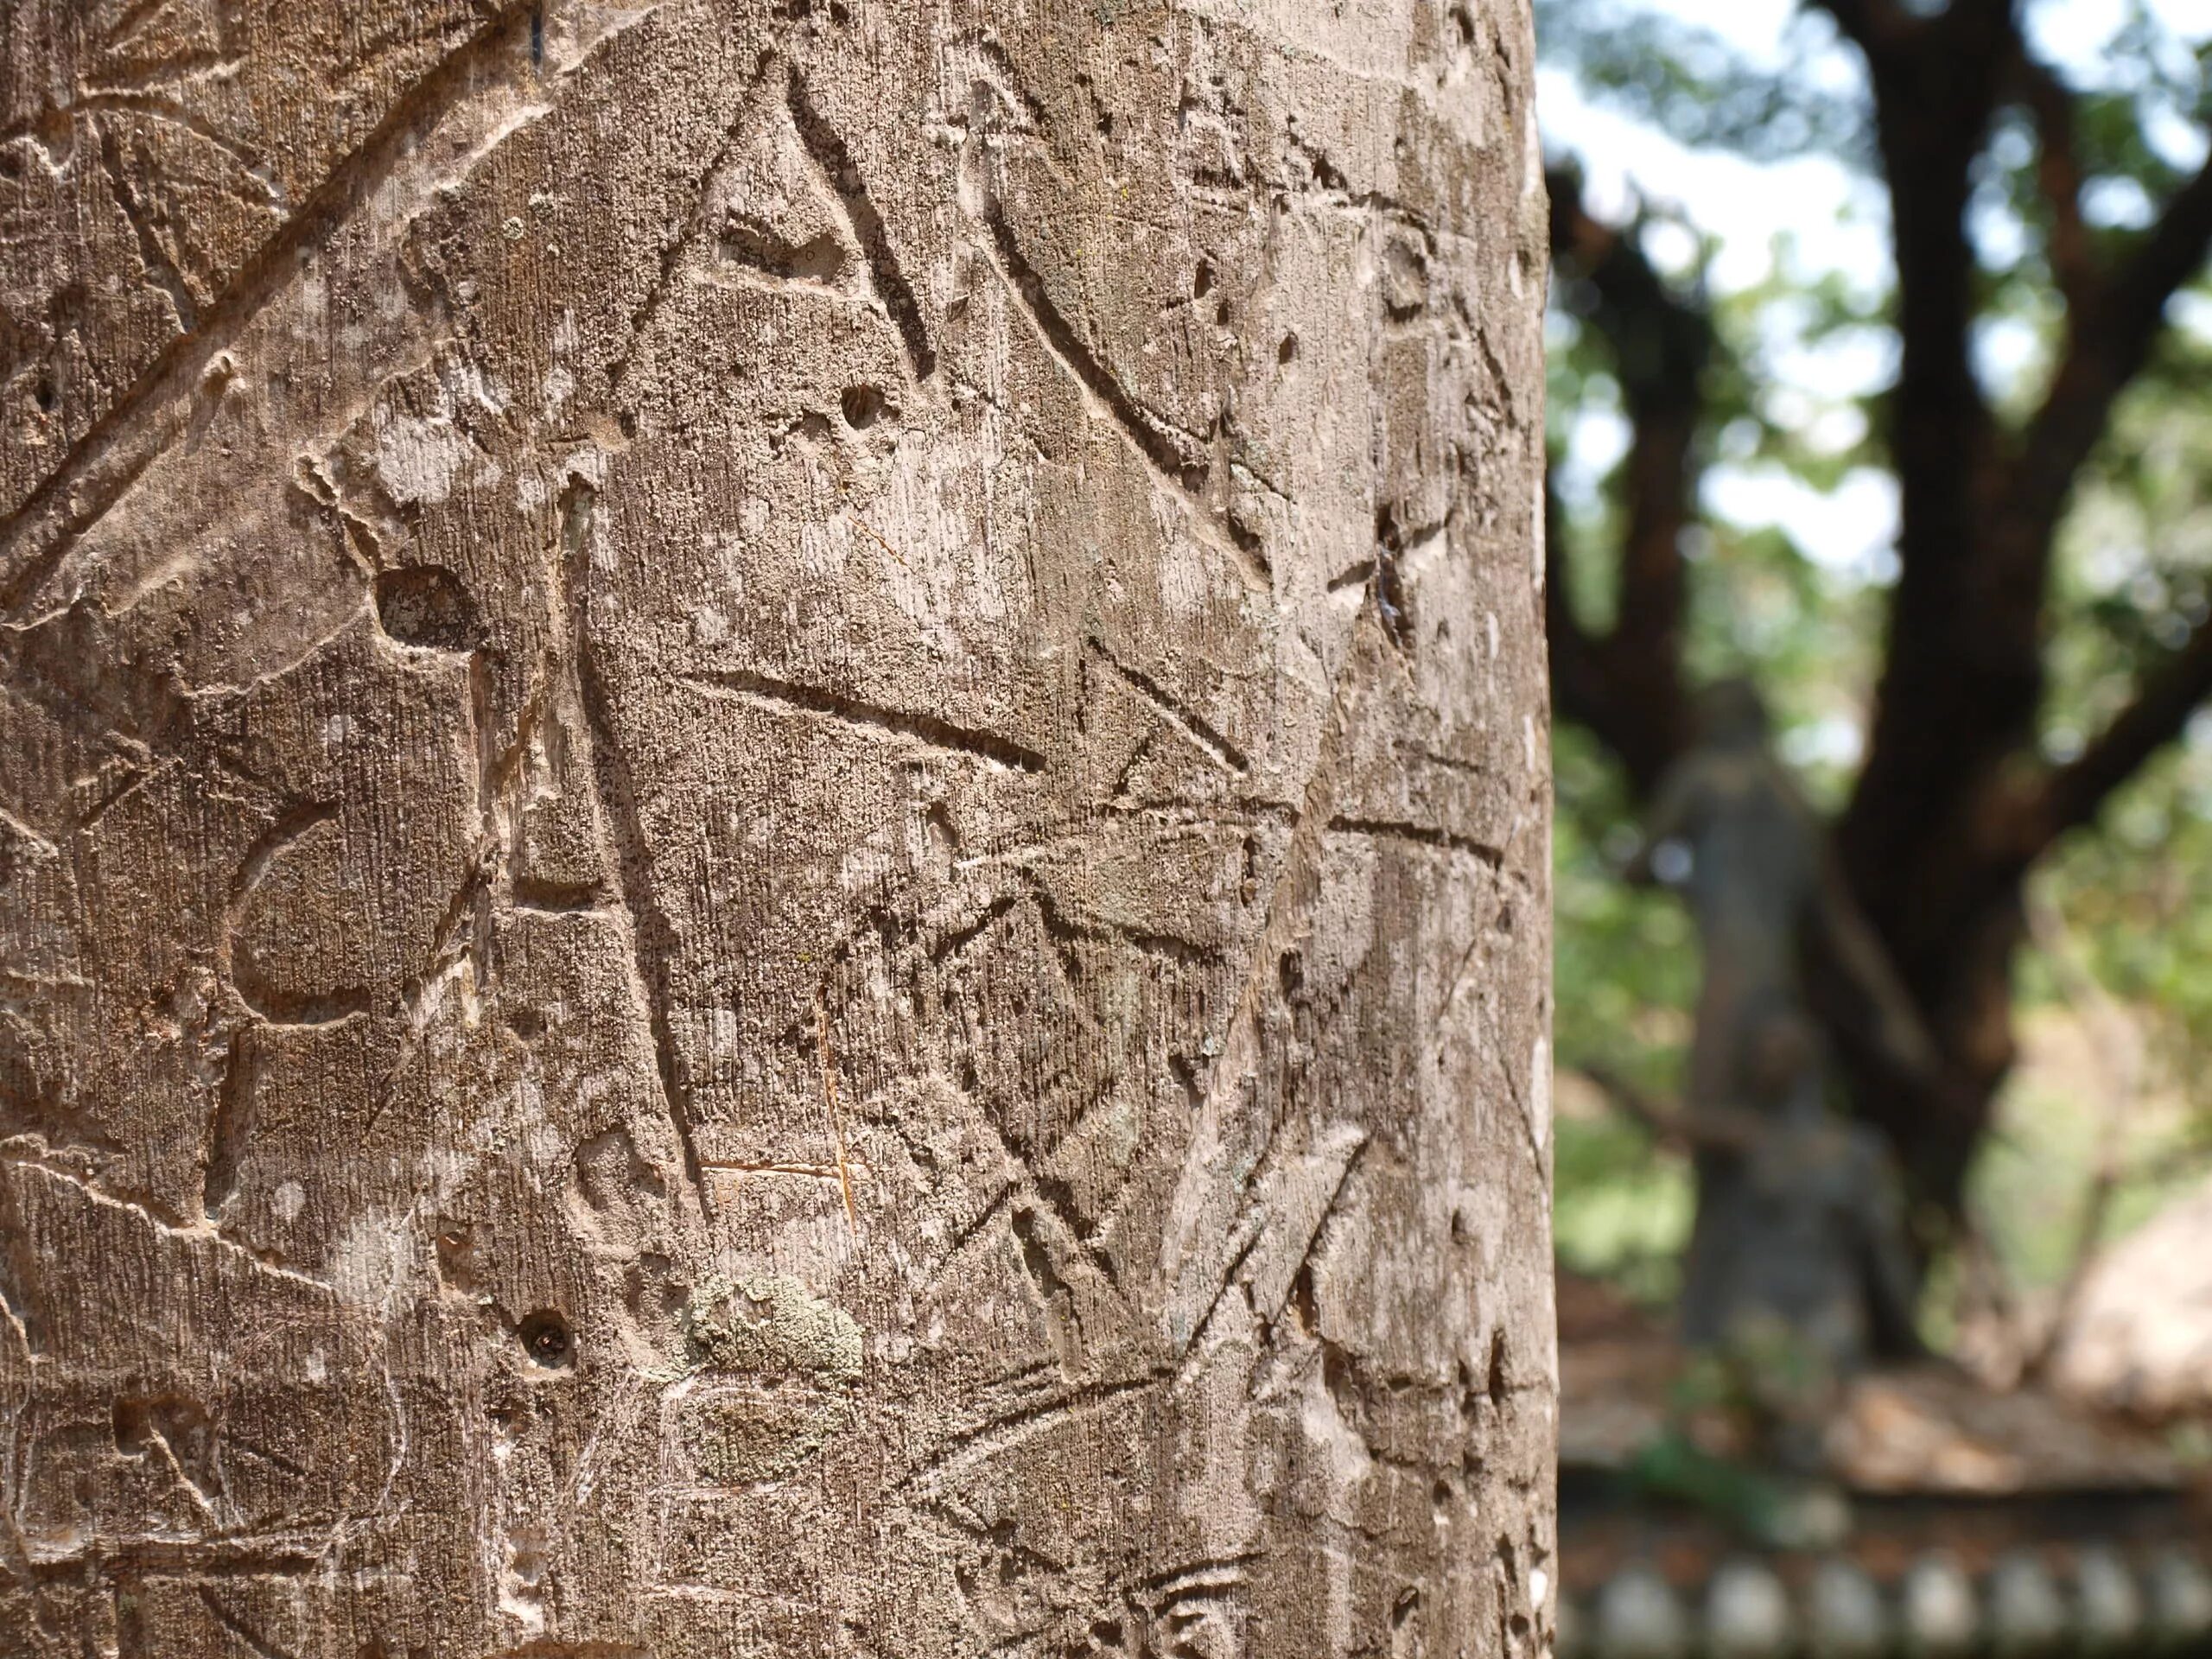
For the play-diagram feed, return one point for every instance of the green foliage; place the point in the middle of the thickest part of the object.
(1627, 973)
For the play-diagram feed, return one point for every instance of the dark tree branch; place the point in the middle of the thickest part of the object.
(1627, 686)
(1703, 1129)
(1962, 672)
(1878, 28)
(2107, 344)
(2073, 794)
(2050, 102)
(1578, 667)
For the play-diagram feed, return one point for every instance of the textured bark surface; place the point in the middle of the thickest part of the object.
(773, 830)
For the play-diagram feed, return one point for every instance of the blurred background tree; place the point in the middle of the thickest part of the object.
(1881, 338)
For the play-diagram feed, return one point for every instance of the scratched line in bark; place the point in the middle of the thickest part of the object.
(143, 422)
(641, 321)
(1217, 747)
(652, 941)
(159, 266)
(748, 686)
(1422, 834)
(1174, 458)
(828, 148)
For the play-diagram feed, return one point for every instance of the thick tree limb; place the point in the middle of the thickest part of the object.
(1963, 670)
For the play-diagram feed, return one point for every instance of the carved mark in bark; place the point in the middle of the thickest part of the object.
(827, 146)
(1391, 547)
(672, 251)
(63, 1128)
(175, 1429)
(1175, 459)
(230, 1124)
(188, 1237)
(143, 422)
(1064, 929)
(652, 940)
(229, 1128)
(239, 1556)
(161, 270)
(975, 744)
(261, 1646)
(818, 262)
(154, 106)
(1216, 748)
(1420, 834)
(1205, 1225)
(1046, 1218)
(1001, 1434)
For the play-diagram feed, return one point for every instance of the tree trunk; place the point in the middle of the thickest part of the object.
(773, 806)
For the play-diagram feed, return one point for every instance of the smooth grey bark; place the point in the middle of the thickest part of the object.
(773, 826)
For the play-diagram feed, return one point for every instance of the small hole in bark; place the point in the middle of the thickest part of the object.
(1202, 283)
(44, 394)
(1221, 313)
(1291, 971)
(1497, 1381)
(545, 1337)
(456, 1252)
(426, 604)
(862, 407)
(1288, 350)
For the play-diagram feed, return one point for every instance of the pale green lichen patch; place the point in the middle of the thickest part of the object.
(773, 1325)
